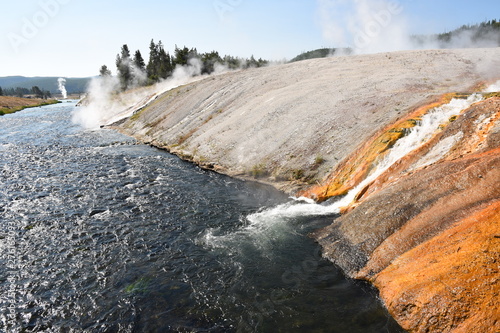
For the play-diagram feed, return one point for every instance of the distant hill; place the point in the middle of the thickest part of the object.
(73, 85)
(319, 53)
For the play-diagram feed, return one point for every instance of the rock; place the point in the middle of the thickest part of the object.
(450, 283)
(405, 213)
(427, 235)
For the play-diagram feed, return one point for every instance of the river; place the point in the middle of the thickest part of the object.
(101, 234)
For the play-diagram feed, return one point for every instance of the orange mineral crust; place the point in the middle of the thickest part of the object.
(426, 231)
(451, 282)
(356, 167)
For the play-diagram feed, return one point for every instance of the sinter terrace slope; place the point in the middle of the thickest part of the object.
(298, 121)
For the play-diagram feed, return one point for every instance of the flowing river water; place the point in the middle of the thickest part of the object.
(101, 234)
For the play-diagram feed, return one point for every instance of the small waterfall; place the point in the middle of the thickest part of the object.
(416, 137)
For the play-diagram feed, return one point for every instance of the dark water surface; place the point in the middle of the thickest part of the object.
(100, 234)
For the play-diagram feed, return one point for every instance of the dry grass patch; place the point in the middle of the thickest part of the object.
(11, 104)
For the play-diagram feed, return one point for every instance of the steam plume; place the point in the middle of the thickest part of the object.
(61, 83)
(104, 105)
(365, 26)
(493, 88)
(371, 26)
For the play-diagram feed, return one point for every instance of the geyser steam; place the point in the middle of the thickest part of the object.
(105, 103)
(373, 26)
(61, 83)
(365, 26)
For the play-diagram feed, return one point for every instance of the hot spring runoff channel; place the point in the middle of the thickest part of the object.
(100, 234)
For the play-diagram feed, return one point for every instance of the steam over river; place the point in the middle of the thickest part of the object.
(100, 234)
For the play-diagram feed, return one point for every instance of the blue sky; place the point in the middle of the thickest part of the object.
(73, 38)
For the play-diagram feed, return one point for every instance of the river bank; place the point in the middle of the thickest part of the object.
(11, 104)
(320, 127)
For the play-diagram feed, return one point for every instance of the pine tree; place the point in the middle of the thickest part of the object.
(209, 60)
(232, 62)
(125, 52)
(37, 92)
(251, 63)
(123, 67)
(182, 56)
(139, 61)
(165, 64)
(139, 75)
(1, 91)
(151, 68)
(160, 63)
(104, 71)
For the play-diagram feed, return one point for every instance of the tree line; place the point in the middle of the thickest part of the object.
(133, 71)
(482, 31)
(486, 33)
(22, 92)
